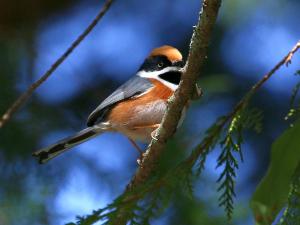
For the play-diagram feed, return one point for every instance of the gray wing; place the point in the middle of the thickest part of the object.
(132, 87)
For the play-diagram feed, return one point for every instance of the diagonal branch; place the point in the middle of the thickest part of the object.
(286, 60)
(197, 56)
(27, 94)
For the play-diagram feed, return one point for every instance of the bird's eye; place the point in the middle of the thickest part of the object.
(160, 65)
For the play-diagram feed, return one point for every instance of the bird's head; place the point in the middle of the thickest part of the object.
(164, 64)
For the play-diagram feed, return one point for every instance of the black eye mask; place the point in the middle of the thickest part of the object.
(155, 63)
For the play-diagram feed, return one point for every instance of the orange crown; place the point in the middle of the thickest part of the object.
(170, 52)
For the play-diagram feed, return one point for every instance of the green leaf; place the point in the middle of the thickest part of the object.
(272, 193)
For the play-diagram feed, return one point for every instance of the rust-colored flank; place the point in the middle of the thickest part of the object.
(124, 110)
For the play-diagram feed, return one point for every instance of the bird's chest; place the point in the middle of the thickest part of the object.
(140, 120)
(141, 115)
(148, 113)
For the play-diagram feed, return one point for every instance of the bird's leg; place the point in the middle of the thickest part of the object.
(153, 126)
(136, 146)
(139, 160)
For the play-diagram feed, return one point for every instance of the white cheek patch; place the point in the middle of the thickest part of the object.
(155, 75)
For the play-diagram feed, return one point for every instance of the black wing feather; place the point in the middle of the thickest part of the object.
(132, 87)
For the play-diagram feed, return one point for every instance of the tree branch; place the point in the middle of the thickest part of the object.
(27, 94)
(197, 56)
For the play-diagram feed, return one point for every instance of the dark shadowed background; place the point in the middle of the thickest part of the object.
(250, 37)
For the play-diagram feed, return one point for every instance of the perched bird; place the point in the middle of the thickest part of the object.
(135, 109)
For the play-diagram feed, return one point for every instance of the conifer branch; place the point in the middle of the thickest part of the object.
(28, 93)
(230, 146)
(206, 143)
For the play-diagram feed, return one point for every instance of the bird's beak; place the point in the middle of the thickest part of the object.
(178, 63)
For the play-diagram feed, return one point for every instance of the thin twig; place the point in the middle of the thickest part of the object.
(285, 60)
(27, 94)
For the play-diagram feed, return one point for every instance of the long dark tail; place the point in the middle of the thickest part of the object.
(45, 154)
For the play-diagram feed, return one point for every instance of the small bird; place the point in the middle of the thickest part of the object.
(135, 109)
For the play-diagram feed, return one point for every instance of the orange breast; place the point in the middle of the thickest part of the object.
(125, 112)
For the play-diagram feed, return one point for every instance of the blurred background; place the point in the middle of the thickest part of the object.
(250, 37)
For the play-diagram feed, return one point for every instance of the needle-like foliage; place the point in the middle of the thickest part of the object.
(294, 111)
(232, 145)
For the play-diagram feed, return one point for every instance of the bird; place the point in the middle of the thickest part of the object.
(135, 109)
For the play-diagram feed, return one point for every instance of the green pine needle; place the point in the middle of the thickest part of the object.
(231, 144)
